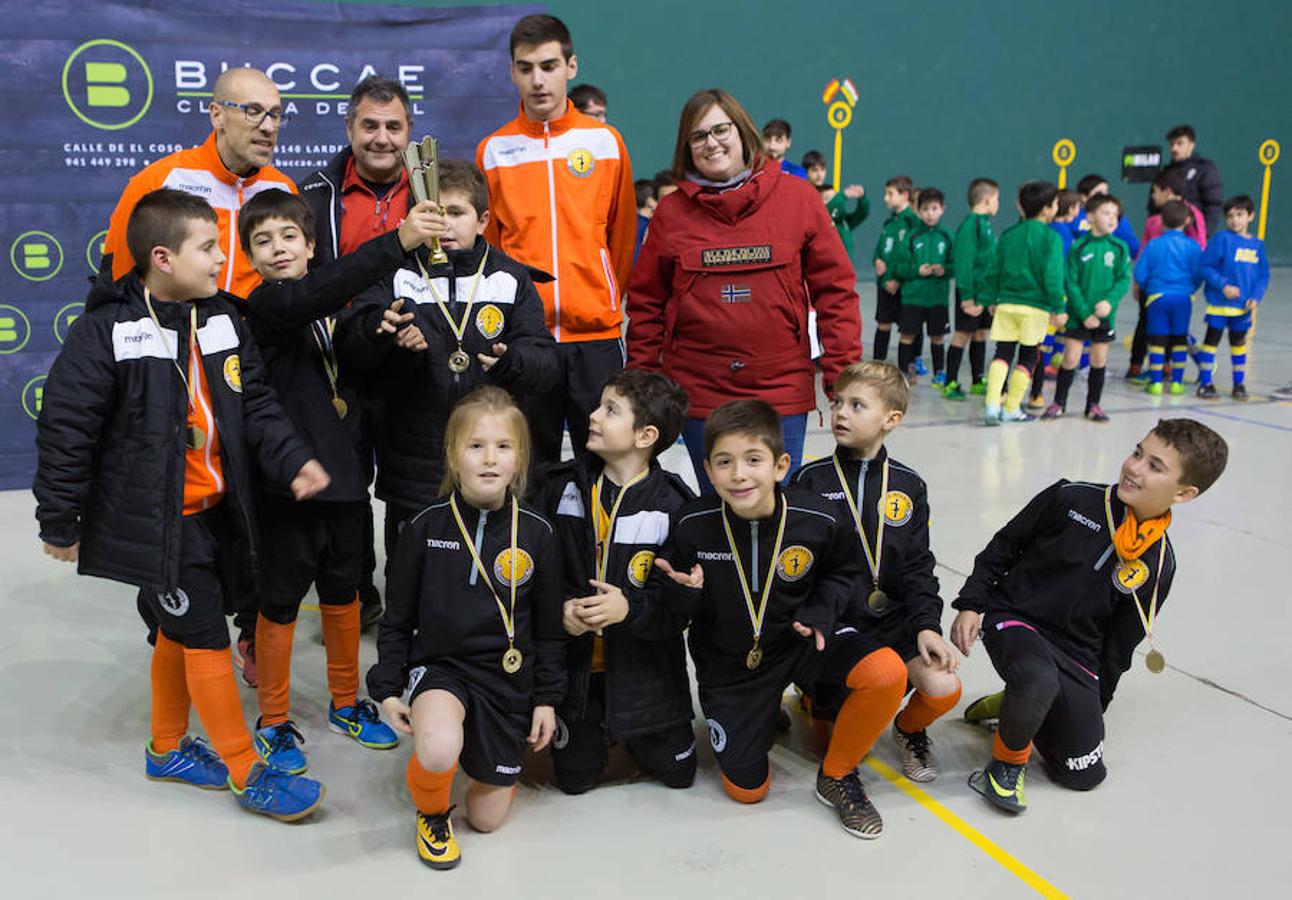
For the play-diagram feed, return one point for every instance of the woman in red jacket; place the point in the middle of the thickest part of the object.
(719, 296)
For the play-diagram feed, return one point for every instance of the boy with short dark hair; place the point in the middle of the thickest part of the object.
(476, 319)
(836, 202)
(626, 661)
(647, 200)
(1027, 296)
(888, 290)
(153, 414)
(973, 253)
(1168, 272)
(1092, 185)
(1064, 593)
(887, 503)
(589, 100)
(1097, 276)
(293, 316)
(777, 138)
(1236, 272)
(763, 575)
(924, 265)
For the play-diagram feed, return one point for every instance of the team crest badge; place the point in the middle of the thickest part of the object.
(504, 566)
(174, 602)
(233, 372)
(581, 163)
(639, 567)
(794, 562)
(490, 321)
(897, 508)
(717, 736)
(1130, 575)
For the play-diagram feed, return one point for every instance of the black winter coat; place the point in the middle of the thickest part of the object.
(647, 688)
(112, 430)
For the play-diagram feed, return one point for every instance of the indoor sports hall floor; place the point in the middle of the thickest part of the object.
(1195, 804)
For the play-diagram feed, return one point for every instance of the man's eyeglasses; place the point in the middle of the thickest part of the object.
(720, 132)
(256, 114)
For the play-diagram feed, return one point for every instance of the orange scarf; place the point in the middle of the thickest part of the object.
(1134, 537)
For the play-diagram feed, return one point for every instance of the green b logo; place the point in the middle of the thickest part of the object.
(107, 84)
(36, 255)
(15, 329)
(33, 396)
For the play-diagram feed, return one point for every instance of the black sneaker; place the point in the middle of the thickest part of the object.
(370, 610)
(1239, 392)
(1207, 392)
(1002, 784)
(856, 813)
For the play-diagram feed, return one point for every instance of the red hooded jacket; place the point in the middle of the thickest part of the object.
(719, 296)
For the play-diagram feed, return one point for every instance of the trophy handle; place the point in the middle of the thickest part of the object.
(430, 154)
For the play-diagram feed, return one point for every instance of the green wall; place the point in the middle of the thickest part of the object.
(952, 90)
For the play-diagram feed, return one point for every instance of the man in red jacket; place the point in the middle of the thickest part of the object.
(561, 199)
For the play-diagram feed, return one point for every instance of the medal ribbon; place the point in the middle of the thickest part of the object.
(605, 526)
(756, 616)
(458, 328)
(322, 330)
(872, 559)
(1146, 621)
(174, 351)
(508, 616)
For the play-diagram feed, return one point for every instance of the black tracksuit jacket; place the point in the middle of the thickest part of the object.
(647, 688)
(1053, 566)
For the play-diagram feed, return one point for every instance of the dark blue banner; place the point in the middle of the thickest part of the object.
(93, 92)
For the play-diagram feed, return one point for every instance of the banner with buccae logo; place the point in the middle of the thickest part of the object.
(93, 92)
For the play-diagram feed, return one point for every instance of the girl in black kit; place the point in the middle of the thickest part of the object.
(473, 627)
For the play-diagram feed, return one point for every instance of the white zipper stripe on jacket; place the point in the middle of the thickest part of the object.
(753, 555)
(332, 217)
(233, 236)
(556, 265)
(480, 526)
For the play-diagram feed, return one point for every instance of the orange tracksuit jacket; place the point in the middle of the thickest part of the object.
(561, 199)
(198, 171)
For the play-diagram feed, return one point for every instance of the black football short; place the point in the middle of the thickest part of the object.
(932, 318)
(1104, 334)
(192, 614)
(968, 323)
(888, 307)
(311, 543)
(493, 740)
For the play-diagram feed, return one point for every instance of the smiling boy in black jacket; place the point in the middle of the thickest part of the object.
(153, 414)
(1064, 593)
(763, 574)
(627, 663)
(293, 315)
(899, 603)
(477, 320)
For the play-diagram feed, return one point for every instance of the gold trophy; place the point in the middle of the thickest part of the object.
(422, 162)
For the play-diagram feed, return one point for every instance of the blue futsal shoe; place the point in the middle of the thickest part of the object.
(362, 723)
(920, 367)
(193, 763)
(276, 745)
(278, 794)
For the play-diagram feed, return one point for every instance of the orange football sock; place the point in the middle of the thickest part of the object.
(878, 682)
(746, 795)
(215, 697)
(1014, 757)
(170, 695)
(430, 790)
(341, 641)
(274, 661)
(923, 710)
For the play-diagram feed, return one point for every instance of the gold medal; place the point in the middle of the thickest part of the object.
(1132, 573)
(877, 601)
(196, 437)
(754, 658)
(340, 406)
(511, 661)
(459, 362)
(1155, 661)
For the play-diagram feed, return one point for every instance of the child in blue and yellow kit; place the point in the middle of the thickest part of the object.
(1168, 272)
(1236, 273)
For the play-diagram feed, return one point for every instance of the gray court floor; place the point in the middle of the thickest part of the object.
(1195, 804)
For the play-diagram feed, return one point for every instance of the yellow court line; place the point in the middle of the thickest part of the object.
(310, 607)
(965, 830)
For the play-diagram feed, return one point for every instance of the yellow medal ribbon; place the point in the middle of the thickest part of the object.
(174, 351)
(756, 615)
(605, 527)
(327, 327)
(1146, 620)
(508, 616)
(873, 559)
(459, 329)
